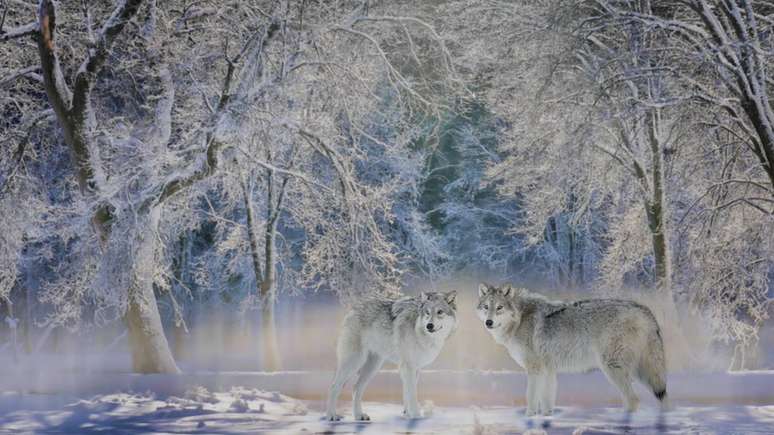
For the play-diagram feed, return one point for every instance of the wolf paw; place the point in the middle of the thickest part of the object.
(530, 413)
(632, 406)
(363, 417)
(334, 417)
(411, 416)
(548, 412)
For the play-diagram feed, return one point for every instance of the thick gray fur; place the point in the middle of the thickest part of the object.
(620, 337)
(396, 330)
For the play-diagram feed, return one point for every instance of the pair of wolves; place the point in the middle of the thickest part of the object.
(619, 337)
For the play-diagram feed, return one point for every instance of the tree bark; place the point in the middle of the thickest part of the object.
(660, 248)
(181, 332)
(737, 43)
(150, 349)
(27, 324)
(181, 335)
(270, 354)
(264, 277)
(656, 207)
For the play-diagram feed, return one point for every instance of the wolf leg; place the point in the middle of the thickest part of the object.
(405, 412)
(416, 374)
(533, 381)
(621, 378)
(348, 366)
(547, 392)
(409, 377)
(367, 372)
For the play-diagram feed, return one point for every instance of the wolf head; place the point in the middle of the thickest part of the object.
(437, 312)
(497, 306)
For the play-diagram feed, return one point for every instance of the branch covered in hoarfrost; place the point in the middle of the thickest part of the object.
(18, 32)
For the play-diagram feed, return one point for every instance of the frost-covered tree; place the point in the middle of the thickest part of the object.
(124, 157)
(472, 222)
(154, 99)
(618, 132)
(328, 156)
(716, 66)
(516, 53)
(724, 43)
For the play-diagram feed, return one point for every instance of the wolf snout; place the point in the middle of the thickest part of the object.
(489, 323)
(430, 327)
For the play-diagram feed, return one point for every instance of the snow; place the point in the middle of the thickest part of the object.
(484, 403)
(251, 411)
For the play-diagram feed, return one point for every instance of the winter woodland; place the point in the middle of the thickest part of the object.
(164, 160)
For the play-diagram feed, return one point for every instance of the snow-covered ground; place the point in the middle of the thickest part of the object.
(253, 411)
(454, 402)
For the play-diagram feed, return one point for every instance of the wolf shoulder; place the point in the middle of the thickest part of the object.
(373, 311)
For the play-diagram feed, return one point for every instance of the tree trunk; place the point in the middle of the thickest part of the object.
(656, 207)
(572, 281)
(265, 280)
(271, 354)
(571, 253)
(148, 344)
(765, 147)
(180, 330)
(181, 335)
(552, 235)
(660, 255)
(27, 324)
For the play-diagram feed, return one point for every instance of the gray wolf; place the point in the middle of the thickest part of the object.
(407, 331)
(619, 337)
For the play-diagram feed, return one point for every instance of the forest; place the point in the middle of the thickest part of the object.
(204, 185)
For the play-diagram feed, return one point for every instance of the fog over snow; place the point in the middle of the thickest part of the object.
(193, 194)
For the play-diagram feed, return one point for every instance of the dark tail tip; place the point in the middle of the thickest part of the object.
(660, 394)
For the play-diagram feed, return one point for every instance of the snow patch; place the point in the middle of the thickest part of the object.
(239, 405)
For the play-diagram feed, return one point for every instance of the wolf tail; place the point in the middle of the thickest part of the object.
(652, 368)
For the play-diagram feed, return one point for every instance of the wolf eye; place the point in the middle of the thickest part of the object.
(499, 307)
(486, 307)
(439, 312)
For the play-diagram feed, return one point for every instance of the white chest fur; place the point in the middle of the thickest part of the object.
(422, 350)
(515, 349)
(517, 352)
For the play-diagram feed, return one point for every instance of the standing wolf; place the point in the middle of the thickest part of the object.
(620, 337)
(408, 331)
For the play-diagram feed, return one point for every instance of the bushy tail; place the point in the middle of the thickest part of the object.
(652, 368)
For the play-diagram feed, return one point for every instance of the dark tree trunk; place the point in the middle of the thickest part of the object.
(656, 207)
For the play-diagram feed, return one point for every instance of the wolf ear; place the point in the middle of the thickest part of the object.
(451, 297)
(423, 296)
(483, 288)
(507, 290)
